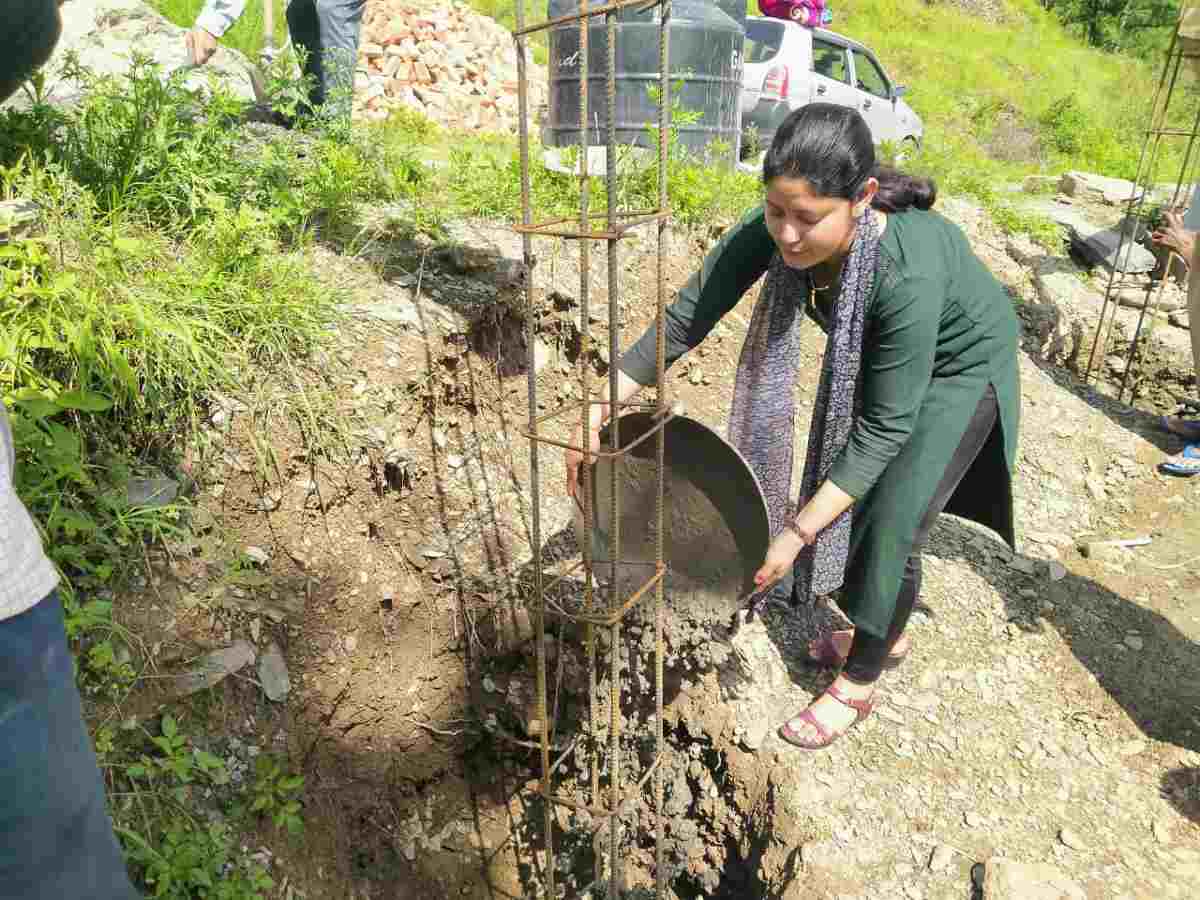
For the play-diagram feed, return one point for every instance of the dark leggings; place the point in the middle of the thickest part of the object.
(868, 653)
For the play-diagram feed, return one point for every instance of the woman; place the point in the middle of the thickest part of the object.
(917, 406)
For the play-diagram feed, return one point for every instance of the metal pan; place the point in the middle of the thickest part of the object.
(717, 530)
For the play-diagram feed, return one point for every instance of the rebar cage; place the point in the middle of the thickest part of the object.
(1144, 188)
(597, 613)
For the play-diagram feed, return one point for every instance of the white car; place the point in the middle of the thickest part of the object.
(787, 65)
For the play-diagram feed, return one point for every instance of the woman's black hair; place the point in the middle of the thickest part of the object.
(830, 147)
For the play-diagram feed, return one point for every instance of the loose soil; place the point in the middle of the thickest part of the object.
(1047, 691)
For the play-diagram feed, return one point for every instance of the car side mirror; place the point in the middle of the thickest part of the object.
(899, 91)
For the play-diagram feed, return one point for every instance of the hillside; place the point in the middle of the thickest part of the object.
(1005, 90)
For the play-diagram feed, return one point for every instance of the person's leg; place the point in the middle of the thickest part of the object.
(305, 30)
(340, 22)
(834, 711)
(867, 652)
(56, 839)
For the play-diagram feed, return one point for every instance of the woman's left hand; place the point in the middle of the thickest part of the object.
(780, 558)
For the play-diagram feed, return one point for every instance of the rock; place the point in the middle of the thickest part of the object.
(1071, 839)
(1135, 298)
(1096, 188)
(215, 666)
(1133, 642)
(973, 820)
(104, 34)
(151, 492)
(1103, 247)
(756, 733)
(273, 674)
(258, 555)
(1095, 487)
(941, 858)
(17, 219)
(541, 356)
(1006, 879)
(350, 642)
(1057, 571)
(1180, 320)
(1161, 831)
(1023, 564)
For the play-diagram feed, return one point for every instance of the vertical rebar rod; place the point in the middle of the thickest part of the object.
(614, 349)
(585, 316)
(535, 512)
(1137, 331)
(1150, 147)
(660, 355)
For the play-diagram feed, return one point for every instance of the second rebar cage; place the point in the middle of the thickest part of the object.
(617, 225)
(1143, 189)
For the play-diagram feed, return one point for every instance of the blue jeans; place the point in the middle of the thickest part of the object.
(56, 840)
(328, 31)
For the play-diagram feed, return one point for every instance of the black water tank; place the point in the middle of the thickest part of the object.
(705, 45)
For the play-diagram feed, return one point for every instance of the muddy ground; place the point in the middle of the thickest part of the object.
(1047, 714)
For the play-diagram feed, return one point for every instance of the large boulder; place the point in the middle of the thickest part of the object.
(1096, 244)
(104, 34)
(1096, 188)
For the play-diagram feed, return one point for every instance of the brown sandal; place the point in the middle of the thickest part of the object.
(862, 707)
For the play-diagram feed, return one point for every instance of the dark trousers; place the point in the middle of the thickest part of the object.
(56, 840)
(328, 31)
(867, 653)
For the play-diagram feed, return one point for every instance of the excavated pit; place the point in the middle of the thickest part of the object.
(724, 675)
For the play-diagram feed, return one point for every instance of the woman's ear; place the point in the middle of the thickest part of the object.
(863, 203)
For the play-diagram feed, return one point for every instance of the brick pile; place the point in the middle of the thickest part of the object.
(456, 66)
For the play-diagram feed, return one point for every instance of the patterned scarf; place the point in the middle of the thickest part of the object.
(764, 406)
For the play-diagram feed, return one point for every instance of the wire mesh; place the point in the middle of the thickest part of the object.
(1144, 188)
(616, 225)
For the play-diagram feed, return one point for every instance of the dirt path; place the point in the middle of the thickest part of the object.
(1049, 712)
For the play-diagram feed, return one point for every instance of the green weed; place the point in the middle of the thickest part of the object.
(179, 844)
(276, 793)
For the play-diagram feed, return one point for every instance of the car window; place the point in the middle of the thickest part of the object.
(763, 40)
(869, 77)
(830, 60)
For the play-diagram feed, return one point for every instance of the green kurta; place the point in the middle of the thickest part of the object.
(940, 328)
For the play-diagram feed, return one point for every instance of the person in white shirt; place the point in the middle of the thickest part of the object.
(56, 839)
(327, 30)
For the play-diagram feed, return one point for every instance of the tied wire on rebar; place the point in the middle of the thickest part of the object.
(617, 225)
(1143, 187)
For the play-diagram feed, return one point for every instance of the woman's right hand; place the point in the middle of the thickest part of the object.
(575, 459)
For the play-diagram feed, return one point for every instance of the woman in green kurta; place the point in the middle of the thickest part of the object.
(917, 407)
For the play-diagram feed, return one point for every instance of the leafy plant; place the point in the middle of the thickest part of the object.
(195, 860)
(276, 793)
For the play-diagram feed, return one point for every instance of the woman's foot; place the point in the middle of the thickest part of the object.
(832, 649)
(843, 705)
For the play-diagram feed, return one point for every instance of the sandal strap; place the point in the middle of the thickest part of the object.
(807, 716)
(862, 707)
